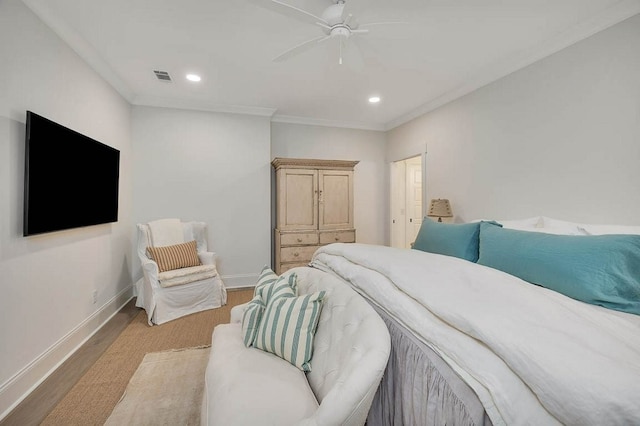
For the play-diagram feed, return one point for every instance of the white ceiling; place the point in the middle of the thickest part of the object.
(447, 49)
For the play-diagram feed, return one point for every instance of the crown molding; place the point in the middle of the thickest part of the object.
(310, 163)
(609, 17)
(157, 101)
(291, 119)
(80, 46)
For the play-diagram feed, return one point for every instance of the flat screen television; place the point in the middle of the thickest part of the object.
(70, 180)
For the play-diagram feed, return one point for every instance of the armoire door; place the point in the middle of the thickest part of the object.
(297, 199)
(335, 199)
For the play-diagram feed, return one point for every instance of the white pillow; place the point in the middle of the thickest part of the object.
(528, 224)
(562, 227)
(612, 229)
(589, 229)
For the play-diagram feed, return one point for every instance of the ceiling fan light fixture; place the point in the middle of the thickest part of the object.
(374, 99)
(335, 23)
(340, 31)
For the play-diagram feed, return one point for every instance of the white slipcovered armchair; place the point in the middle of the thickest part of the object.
(175, 293)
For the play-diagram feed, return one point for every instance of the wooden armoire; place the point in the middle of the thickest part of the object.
(314, 207)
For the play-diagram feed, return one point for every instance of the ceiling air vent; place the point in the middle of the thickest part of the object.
(162, 75)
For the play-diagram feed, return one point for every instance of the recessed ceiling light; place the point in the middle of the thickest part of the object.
(193, 77)
(374, 99)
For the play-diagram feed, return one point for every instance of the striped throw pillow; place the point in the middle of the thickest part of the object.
(267, 276)
(272, 288)
(288, 327)
(251, 320)
(175, 257)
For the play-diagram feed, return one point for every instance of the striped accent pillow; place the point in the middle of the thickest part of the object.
(251, 320)
(288, 327)
(267, 276)
(175, 257)
(281, 286)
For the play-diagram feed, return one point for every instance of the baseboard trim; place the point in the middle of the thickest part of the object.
(239, 281)
(18, 387)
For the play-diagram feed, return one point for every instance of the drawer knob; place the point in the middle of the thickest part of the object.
(337, 238)
(296, 254)
(299, 240)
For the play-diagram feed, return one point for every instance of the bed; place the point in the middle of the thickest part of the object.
(540, 328)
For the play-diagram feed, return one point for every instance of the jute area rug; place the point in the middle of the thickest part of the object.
(166, 389)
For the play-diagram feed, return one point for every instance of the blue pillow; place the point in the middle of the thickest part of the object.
(601, 270)
(451, 239)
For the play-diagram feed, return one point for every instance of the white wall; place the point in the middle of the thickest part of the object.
(371, 188)
(559, 138)
(209, 167)
(47, 281)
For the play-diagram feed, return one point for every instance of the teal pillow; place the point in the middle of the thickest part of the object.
(601, 270)
(451, 239)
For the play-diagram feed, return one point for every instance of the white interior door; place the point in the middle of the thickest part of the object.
(406, 201)
(413, 185)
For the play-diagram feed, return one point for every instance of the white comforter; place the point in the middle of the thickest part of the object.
(532, 355)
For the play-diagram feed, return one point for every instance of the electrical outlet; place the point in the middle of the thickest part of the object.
(95, 296)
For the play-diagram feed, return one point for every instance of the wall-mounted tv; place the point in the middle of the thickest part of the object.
(70, 180)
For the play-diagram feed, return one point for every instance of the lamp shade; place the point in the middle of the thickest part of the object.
(440, 207)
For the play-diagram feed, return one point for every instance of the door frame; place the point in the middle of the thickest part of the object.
(413, 220)
(397, 202)
(397, 197)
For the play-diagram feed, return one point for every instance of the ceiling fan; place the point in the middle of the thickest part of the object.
(336, 22)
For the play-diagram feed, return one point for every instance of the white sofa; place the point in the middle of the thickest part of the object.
(246, 386)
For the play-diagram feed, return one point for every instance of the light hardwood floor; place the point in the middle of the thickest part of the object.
(35, 407)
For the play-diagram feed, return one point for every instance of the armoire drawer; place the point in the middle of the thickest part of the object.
(298, 238)
(338, 237)
(297, 254)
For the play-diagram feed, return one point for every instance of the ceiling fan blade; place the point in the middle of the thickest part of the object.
(300, 48)
(325, 26)
(371, 24)
(295, 12)
(393, 30)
